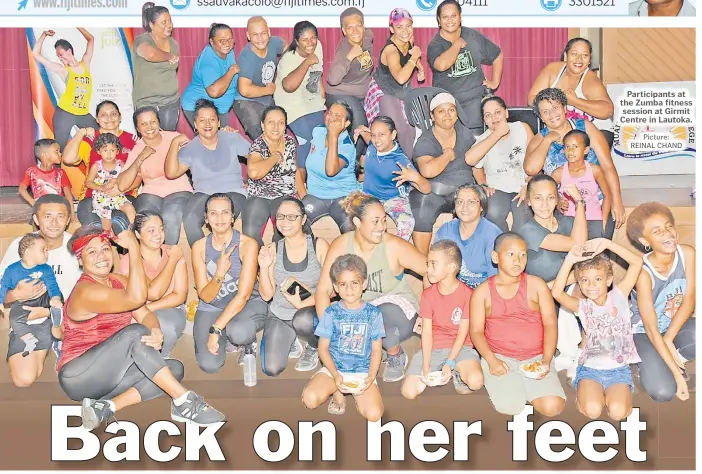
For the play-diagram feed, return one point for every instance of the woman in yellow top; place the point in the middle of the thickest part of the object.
(74, 104)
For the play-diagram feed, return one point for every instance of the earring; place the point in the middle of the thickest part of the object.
(647, 248)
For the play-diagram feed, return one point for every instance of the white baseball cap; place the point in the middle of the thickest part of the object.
(441, 98)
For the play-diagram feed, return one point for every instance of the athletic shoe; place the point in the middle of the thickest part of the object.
(231, 348)
(94, 412)
(458, 383)
(196, 411)
(308, 361)
(395, 369)
(295, 350)
(242, 353)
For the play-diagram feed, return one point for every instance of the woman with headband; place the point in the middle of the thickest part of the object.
(391, 81)
(108, 361)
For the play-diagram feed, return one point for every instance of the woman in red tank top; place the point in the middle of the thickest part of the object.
(107, 361)
(513, 324)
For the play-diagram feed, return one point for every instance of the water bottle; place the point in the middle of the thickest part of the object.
(249, 367)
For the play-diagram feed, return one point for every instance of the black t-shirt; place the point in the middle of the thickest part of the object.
(457, 172)
(541, 262)
(464, 80)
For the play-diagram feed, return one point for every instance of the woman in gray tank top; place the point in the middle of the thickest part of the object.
(287, 270)
(663, 303)
(225, 267)
(387, 256)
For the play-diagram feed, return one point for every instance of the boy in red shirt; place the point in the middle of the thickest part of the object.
(446, 346)
(46, 177)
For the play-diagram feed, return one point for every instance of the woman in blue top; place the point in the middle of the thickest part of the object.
(388, 173)
(330, 168)
(546, 151)
(474, 234)
(214, 76)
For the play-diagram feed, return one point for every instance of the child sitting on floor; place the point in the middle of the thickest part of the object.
(32, 266)
(590, 181)
(102, 179)
(46, 177)
(444, 310)
(350, 345)
(603, 377)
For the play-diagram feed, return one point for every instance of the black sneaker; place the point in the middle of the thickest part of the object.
(94, 412)
(195, 411)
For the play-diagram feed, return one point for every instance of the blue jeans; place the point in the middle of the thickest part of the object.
(606, 378)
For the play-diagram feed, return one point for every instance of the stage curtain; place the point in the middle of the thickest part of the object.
(526, 51)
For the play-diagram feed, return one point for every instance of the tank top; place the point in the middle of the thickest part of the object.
(384, 78)
(306, 272)
(81, 336)
(76, 98)
(381, 280)
(230, 285)
(514, 329)
(574, 112)
(668, 292)
(589, 190)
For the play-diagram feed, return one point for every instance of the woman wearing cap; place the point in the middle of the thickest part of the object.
(351, 70)
(500, 164)
(587, 96)
(155, 58)
(391, 81)
(107, 361)
(440, 156)
(546, 150)
(73, 107)
(214, 76)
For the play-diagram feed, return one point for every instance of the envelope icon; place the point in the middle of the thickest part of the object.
(180, 4)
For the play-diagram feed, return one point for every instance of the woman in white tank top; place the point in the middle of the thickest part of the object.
(587, 96)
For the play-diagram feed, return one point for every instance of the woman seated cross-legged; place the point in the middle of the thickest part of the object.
(230, 308)
(167, 276)
(107, 361)
(289, 272)
(213, 160)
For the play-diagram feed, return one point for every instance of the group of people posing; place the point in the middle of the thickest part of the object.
(487, 315)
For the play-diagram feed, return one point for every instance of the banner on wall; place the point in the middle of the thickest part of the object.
(110, 69)
(654, 128)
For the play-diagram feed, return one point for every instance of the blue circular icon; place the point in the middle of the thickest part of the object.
(426, 5)
(180, 4)
(551, 5)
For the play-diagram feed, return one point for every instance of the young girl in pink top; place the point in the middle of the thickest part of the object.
(590, 181)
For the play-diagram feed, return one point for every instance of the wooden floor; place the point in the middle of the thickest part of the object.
(669, 439)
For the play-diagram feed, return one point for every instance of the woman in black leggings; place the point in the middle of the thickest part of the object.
(288, 275)
(225, 264)
(167, 272)
(107, 361)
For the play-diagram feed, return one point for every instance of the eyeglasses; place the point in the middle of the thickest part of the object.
(288, 217)
(467, 202)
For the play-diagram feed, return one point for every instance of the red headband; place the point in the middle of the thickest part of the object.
(81, 242)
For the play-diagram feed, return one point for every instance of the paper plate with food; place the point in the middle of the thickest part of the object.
(353, 383)
(435, 378)
(534, 370)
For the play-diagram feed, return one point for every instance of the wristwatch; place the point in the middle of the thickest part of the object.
(450, 363)
(215, 330)
(219, 280)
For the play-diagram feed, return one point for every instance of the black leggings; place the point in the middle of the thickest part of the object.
(316, 208)
(654, 375)
(249, 114)
(426, 208)
(172, 322)
(279, 335)
(168, 116)
(171, 209)
(194, 214)
(63, 123)
(241, 331)
(501, 204)
(397, 327)
(118, 363)
(595, 230)
(256, 213)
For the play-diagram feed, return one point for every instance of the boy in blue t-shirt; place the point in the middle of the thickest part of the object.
(32, 266)
(350, 345)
